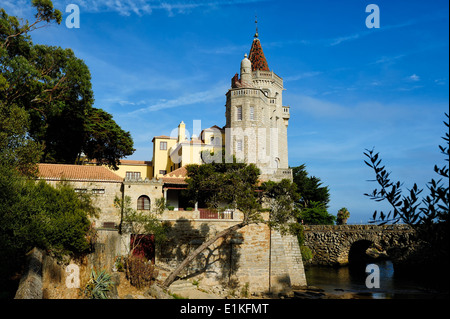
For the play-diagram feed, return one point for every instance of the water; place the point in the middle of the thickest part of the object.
(351, 282)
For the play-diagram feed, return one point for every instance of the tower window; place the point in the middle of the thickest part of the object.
(163, 146)
(252, 113)
(239, 145)
(239, 113)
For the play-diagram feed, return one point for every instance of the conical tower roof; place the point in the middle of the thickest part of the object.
(257, 57)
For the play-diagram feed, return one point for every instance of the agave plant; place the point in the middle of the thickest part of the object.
(98, 285)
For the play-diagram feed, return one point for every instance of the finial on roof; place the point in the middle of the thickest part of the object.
(256, 23)
(245, 55)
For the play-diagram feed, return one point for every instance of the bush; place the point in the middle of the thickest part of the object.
(306, 253)
(35, 214)
(140, 272)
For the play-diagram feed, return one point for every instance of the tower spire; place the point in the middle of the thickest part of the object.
(256, 55)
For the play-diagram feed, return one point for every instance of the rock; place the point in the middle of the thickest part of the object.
(309, 293)
(157, 292)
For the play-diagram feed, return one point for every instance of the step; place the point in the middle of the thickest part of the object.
(181, 285)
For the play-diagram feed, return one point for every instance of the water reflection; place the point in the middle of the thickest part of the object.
(350, 280)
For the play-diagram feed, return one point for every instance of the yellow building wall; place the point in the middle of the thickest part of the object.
(161, 158)
(143, 167)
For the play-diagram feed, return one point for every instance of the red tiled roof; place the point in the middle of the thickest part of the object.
(77, 173)
(135, 162)
(257, 57)
(175, 177)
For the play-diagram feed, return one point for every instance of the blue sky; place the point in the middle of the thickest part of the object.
(349, 88)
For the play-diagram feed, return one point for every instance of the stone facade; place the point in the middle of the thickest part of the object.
(254, 256)
(256, 120)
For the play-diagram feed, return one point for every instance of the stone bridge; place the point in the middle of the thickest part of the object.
(334, 245)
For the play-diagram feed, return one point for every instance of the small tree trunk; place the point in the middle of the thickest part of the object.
(173, 275)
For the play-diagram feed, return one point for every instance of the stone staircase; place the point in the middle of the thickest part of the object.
(185, 289)
(180, 286)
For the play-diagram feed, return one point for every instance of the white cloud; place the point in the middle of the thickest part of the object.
(339, 40)
(141, 7)
(188, 99)
(414, 77)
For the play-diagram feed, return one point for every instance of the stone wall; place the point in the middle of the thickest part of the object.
(30, 285)
(150, 188)
(330, 245)
(45, 276)
(103, 194)
(254, 256)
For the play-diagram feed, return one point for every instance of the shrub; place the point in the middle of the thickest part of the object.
(306, 253)
(140, 272)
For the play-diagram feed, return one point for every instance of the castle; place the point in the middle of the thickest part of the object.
(255, 132)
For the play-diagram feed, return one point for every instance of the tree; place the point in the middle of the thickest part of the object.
(141, 222)
(140, 225)
(342, 216)
(409, 208)
(35, 214)
(235, 185)
(280, 198)
(316, 214)
(309, 187)
(54, 87)
(313, 198)
(104, 140)
(17, 149)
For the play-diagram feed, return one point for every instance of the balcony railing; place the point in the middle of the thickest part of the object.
(283, 173)
(208, 214)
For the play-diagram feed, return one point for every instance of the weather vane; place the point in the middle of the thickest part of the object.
(256, 23)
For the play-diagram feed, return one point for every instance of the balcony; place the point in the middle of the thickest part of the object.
(286, 114)
(200, 213)
(283, 173)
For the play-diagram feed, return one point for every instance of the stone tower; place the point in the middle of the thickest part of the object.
(256, 120)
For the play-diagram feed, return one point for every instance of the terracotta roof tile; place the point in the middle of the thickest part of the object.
(176, 177)
(179, 172)
(135, 162)
(77, 173)
(257, 57)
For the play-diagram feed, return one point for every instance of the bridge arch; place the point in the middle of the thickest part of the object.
(335, 245)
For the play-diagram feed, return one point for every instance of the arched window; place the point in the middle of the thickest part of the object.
(277, 162)
(143, 203)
